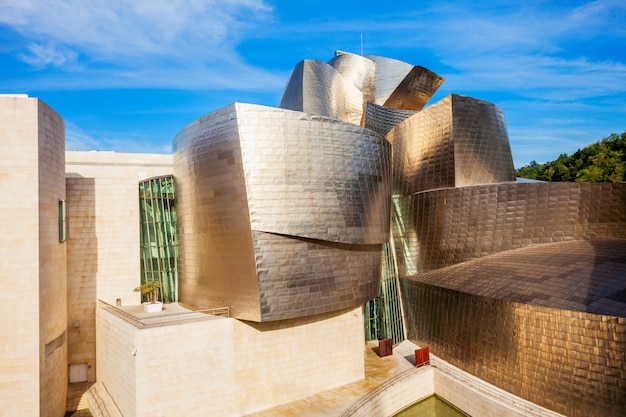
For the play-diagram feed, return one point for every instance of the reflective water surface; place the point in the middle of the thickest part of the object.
(431, 407)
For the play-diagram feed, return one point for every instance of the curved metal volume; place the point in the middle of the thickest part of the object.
(283, 215)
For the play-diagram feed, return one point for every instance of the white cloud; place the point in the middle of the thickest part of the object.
(540, 76)
(141, 43)
(48, 53)
(76, 139)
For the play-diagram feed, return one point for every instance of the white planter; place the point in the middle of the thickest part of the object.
(153, 307)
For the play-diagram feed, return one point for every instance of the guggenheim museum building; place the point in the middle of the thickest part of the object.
(284, 238)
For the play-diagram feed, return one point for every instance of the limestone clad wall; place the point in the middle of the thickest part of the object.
(32, 333)
(116, 364)
(103, 243)
(226, 367)
(82, 256)
(52, 264)
(19, 328)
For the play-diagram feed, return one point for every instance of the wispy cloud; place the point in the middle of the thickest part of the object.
(76, 139)
(141, 43)
(42, 54)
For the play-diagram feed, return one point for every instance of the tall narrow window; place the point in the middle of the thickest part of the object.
(159, 242)
(62, 221)
(383, 315)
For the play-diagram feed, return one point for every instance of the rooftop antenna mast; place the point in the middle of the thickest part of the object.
(361, 44)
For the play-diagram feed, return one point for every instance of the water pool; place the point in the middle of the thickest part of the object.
(431, 407)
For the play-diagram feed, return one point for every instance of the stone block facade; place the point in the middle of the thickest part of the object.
(33, 380)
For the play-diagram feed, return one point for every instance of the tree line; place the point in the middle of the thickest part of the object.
(603, 161)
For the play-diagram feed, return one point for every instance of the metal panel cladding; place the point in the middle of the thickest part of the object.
(341, 88)
(382, 119)
(389, 74)
(454, 225)
(356, 70)
(315, 87)
(546, 323)
(415, 90)
(282, 214)
(457, 141)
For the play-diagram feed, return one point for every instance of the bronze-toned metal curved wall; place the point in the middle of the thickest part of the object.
(455, 142)
(546, 323)
(282, 214)
(453, 225)
(522, 285)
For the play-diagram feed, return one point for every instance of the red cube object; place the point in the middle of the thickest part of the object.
(422, 357)
(385, 347)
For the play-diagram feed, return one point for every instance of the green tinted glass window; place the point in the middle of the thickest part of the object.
(158, 235)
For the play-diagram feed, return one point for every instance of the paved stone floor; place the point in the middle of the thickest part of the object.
(77, 403)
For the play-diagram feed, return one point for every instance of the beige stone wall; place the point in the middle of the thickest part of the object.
(103, 243)
(117, 367)
(226, 367)
(52, 264)
(19, 254)
(82, 256)
(33, 370)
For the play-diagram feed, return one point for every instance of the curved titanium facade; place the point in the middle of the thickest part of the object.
(341, 88)
(457, 141)
(284, 214)
(454, 225)
(546, 323)
(382, 119)
(500, 299)
(281, 214)
(315, 87)
(356, 70)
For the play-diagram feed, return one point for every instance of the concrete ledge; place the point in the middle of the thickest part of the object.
(464, 391)
(395, 394)
(476, 397)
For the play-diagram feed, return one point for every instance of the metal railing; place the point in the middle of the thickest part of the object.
(142, 323)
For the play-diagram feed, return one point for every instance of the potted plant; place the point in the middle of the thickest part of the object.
(151, 290)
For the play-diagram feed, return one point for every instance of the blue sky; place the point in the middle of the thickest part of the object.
(127, 75)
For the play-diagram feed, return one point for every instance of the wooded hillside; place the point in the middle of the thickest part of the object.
(603, 161)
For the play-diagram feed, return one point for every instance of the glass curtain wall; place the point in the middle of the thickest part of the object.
(159, 243)
(383, 315)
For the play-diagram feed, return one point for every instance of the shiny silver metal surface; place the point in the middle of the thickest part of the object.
(382, 119)
(587, 276)
(315, 87)
(415, 90)
(356, 70)
(281, 214)
(389, 74)
(341, 88)
(522, 285)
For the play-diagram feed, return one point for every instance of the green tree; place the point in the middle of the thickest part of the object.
(603, 161)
